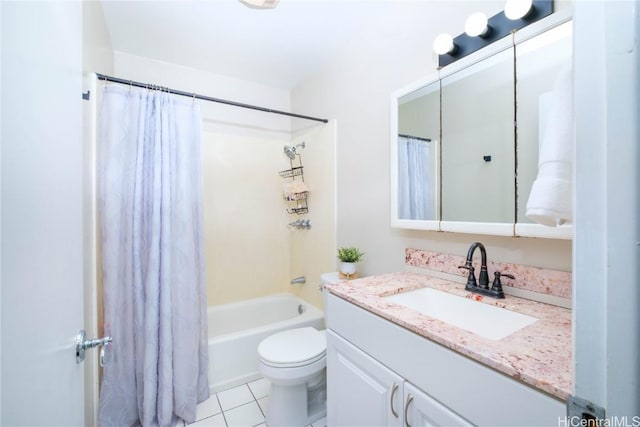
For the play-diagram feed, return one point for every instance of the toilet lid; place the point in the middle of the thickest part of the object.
(293, 347)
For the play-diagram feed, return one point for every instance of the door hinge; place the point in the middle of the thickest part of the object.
(86, 95)
(579, 409)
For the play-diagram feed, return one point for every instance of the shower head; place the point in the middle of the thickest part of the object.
(290, 151)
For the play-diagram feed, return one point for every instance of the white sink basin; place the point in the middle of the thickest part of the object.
(485, 320)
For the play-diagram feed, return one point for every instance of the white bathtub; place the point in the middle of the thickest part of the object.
(236, 329)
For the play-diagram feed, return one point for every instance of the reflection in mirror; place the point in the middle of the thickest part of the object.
(418, 134)
(539, 61)
(478, 153)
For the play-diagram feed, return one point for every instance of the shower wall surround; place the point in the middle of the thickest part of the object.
(313, 251)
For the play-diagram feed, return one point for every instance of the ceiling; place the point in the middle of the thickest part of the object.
(279, 47)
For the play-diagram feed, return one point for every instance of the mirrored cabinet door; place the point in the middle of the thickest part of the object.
(418, 154)
(478, 152)
(466, 143)
(539, 62)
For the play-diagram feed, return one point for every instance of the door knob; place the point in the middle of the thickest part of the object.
(82, 344)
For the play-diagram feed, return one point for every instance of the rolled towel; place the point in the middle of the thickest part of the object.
(550, 201)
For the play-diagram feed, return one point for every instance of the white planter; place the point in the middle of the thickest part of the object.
(348, 268)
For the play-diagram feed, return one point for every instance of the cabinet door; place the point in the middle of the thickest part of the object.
(360, 390)
(421, 410)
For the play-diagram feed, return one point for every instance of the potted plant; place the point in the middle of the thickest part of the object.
(348, 257)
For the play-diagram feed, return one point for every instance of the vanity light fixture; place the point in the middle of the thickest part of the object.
(517, 9)
(481, 32)
(443, 44)
(477, 25)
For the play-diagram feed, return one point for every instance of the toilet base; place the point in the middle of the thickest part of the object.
(296, 406)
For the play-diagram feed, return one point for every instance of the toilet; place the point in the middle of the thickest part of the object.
(294, 361)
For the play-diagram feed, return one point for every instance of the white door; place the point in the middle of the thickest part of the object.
(41, 217)
(360, 390)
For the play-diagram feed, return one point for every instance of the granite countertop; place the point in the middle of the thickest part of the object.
(539, 354)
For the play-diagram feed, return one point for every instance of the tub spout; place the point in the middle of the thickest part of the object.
(299, 280)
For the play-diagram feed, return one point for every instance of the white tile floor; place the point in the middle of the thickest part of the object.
(242, 406)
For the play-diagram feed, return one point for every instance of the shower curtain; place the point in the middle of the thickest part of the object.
(415, 186)
(150, 213)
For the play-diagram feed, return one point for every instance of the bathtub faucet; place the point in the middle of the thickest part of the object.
(299, 280)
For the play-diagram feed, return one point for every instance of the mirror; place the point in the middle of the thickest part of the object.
(478, 157)
(417, 154)
(539, 61)
(477, 144)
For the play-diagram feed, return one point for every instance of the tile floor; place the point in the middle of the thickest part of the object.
(242, 406)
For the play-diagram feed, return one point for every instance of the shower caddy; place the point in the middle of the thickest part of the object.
(299, 199)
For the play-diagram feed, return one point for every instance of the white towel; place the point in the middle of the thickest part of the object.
(551, 201)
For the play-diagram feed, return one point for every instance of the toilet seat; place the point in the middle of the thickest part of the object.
(293, 348)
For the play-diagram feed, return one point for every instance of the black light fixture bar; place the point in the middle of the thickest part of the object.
(501, 26)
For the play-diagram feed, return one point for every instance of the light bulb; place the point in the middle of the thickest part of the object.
(476, 25)
(517, 9)
(443, 44)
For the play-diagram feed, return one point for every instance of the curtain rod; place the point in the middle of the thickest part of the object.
(205, 98)
(415, 137)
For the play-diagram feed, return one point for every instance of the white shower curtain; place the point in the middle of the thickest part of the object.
(150, 211)
(415, 186)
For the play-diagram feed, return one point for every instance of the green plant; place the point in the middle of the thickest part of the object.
(349, 254)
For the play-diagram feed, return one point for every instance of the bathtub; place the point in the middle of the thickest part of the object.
(236, 329)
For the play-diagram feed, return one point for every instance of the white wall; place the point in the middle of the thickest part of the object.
(355, 89)
(97, 53)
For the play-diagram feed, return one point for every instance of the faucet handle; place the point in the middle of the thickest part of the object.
(497, 284)
(471, 279)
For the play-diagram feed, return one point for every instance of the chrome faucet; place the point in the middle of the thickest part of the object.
(482, 285)
(299, 280)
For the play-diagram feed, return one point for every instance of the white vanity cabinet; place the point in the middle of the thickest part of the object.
(360, 390)
(421, 410)
(367, 355)
(363, 392)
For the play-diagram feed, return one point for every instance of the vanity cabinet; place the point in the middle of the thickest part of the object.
(360, 390)
(363, 392)
(367, 355)
(423, 410)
